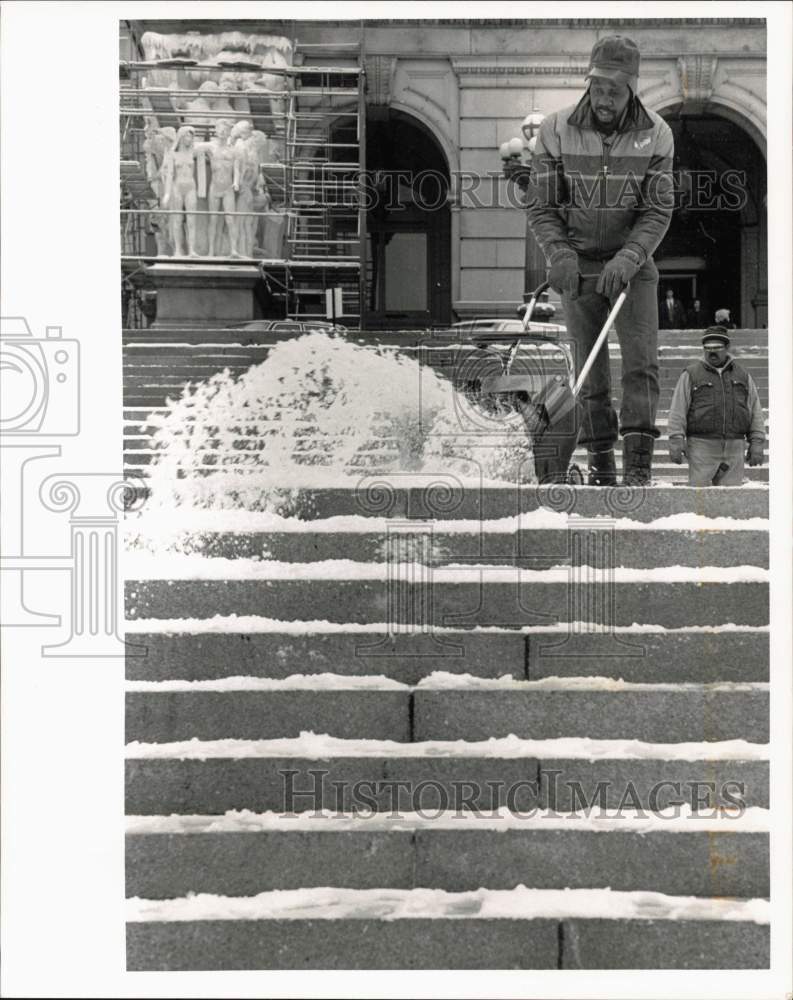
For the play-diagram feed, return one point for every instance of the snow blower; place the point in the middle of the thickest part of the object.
(552, 414)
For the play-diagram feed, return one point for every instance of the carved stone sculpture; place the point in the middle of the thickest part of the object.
(249, 147)
(210, 98)
(181, 191)
(221, 189)
(157, 148)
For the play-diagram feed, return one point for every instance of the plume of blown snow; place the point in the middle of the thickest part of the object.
(318, 411)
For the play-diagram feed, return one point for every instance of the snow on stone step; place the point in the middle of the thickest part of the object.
(316, 771)
(678, 852)
(486, 543)
(219, 647)
(443, 707)
(414, 497)
(521, 928)
(182, 586)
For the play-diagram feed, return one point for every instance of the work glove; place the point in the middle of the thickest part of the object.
(677, 449)
(618, 273)
(755, 454)
(563, 275)
(518, 171)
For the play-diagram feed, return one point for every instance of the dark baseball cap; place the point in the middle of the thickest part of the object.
(716, 335)
(615, 58)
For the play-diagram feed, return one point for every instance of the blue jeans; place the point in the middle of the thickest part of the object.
(637, 330)
(704, 456)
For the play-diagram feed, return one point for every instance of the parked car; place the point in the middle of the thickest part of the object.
(501, 329)
(292, 326)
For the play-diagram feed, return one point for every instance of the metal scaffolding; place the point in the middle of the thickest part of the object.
(310, 238)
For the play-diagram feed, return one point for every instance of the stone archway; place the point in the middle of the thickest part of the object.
(715, 250)
(408, 223)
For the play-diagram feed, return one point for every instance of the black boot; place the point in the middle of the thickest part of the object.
(637, 458)
(602, 467)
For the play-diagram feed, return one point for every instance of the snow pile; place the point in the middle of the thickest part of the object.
(438, 904)
(321, 409)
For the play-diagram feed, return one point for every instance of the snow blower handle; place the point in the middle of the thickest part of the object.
(532, 302)
(601, 338)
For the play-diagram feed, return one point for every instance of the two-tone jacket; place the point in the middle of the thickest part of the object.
(595, 193)
(721, 403)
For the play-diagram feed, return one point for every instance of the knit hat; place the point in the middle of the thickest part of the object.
(615, 58)
(716, 335)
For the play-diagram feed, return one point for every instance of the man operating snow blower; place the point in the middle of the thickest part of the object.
(600, 199)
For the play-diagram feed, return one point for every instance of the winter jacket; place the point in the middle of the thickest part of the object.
(721, 403)
(598, 194)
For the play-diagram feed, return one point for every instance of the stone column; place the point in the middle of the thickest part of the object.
(93, 501)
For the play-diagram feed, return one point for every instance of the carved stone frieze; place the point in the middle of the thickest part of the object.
(696, 74)
(380, 72)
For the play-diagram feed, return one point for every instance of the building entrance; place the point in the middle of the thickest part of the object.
(408, 269)
(715, 250)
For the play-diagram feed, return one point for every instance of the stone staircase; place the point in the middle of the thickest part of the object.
(367, 735)
(155, 370)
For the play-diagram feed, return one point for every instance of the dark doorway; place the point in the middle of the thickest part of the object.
(715, 248)
(408, 275)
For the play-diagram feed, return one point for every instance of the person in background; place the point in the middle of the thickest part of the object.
(671, 315)
(715, 410)
(723, 319)
(695, 317)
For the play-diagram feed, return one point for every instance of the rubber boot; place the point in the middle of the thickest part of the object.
(637, 458)
(602, 467)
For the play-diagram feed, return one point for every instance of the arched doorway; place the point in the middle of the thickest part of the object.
(408, 225)
(715, 250)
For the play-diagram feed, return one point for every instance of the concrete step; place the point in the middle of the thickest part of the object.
(144, 413)
(140, 437)
(528, 548)
(505, 603)
(684, 714)
(707, 656)
(454, 943)
(141, 460)
(157, 396)
(446, 497)
(166, 370)
(169, 857)
(431, 778)
(691, 713)
(162, 716)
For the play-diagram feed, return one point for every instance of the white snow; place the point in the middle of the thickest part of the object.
(437, 680)
(315, 746)
(435, 904)
(172, 566)
(296, 682)
(176, 523)
(249, 624)
(674, 819)
(442, 680)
